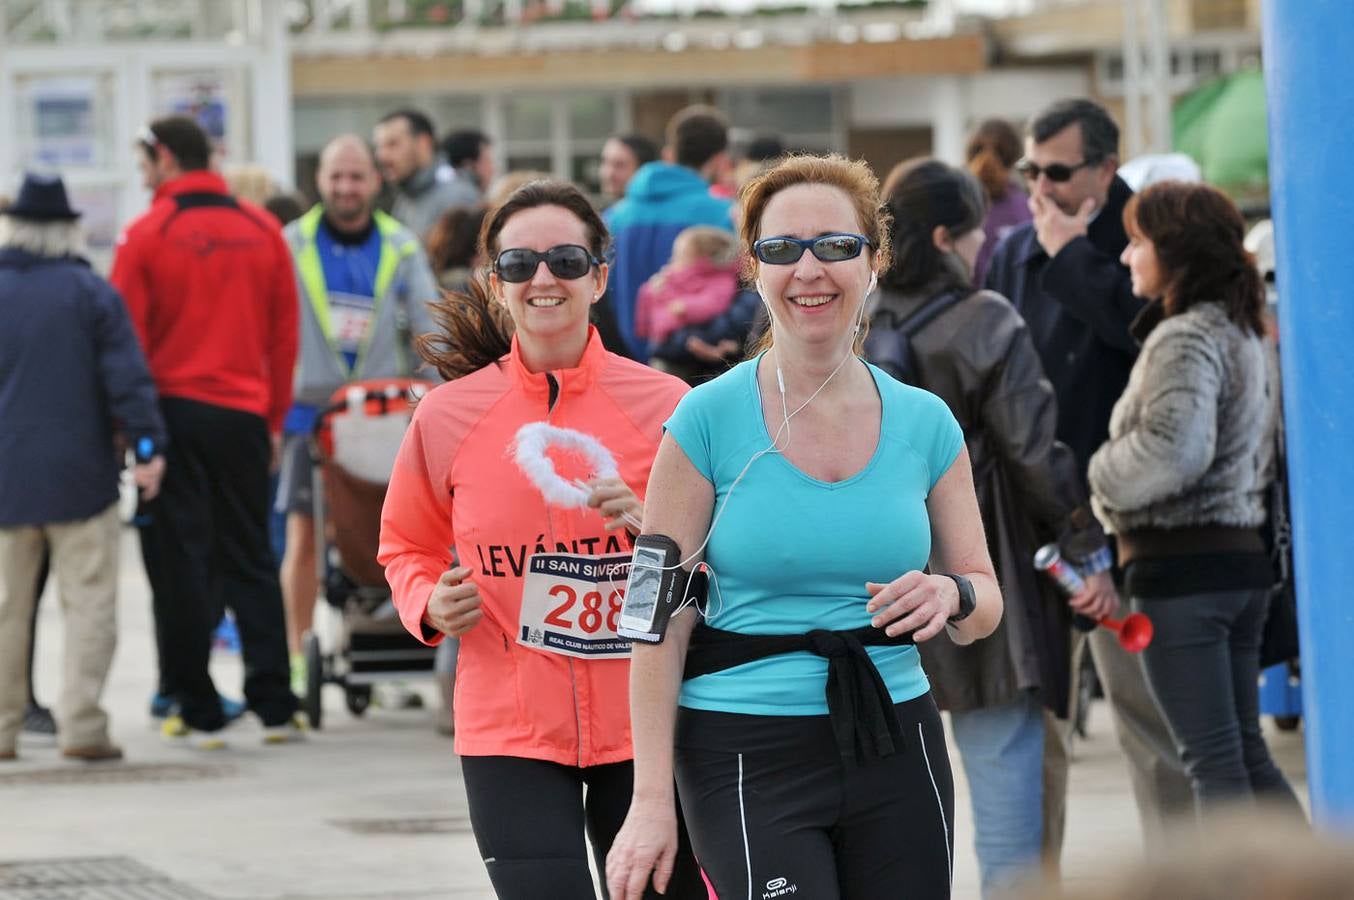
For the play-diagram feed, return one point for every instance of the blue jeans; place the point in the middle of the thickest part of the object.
(1002, 748)
(1202, 666)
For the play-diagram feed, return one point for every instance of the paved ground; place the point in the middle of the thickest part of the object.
(366, 808)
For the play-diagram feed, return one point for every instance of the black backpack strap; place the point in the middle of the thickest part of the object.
(891, 347)
(924, 314)
(208, 200)
(204, 198)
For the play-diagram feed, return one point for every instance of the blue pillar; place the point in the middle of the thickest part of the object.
(1307, 46)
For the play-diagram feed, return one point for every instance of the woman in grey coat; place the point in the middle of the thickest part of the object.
(1182, 478)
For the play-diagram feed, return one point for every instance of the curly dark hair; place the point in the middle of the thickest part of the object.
(1197, 233)
(473, 329)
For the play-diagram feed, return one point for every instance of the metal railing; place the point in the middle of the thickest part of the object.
(59, 21)
(328, 16)
(24, 22)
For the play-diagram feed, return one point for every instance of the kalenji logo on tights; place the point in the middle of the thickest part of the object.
(779, 887)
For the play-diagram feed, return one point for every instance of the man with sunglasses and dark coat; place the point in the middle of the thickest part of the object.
(1062, 273)
(1062, 270)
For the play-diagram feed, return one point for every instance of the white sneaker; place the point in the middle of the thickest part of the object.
(291, 731)
(177, 731)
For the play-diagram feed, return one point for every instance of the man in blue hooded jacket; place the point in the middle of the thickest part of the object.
(660, 201)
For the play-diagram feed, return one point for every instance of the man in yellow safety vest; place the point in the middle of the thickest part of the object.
(364, 284)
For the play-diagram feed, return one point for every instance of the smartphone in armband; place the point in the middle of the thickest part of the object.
(652, 591)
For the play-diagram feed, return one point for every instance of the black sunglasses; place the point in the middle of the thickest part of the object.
(782, 251)
(567, 261)
(1055, 172)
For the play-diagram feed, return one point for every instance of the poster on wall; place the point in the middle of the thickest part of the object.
(203, 96)
(62, 125)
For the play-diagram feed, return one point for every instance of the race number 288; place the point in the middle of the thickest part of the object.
(571, 605)
(591, 618)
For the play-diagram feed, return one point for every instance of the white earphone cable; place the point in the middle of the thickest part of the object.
(775, 439)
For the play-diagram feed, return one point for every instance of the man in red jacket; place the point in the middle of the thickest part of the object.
(208, 282)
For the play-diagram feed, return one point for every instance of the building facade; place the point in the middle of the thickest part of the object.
(881, 80)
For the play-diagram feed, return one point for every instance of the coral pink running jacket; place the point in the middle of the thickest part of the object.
(455, 484)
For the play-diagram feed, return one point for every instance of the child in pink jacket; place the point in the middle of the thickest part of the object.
(696, 285)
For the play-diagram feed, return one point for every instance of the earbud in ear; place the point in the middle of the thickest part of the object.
(874, 283)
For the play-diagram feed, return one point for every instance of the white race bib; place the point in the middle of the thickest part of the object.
(350, 317)
(571, 605)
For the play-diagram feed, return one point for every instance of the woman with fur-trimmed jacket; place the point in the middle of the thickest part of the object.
(1182, 478)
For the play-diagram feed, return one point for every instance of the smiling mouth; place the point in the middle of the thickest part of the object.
(545, 302)
(811, 301)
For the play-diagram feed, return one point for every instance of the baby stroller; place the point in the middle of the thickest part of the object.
(355, 442)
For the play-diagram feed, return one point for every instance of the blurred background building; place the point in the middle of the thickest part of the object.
(883, 80)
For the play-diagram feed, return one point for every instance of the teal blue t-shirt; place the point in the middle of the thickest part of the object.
(791, 553)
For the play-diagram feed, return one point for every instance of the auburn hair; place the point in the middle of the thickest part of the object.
(1197, 233)
(992, 153)
(852, 177)
(474, 330)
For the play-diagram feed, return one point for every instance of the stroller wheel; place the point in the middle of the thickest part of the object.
(358, 697)
(310, 703)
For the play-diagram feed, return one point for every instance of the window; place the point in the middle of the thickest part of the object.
(803, 110)
(583, 172)
(526, 119)
(591, 117)
(456, 113)
(528, 162)
(803, 118)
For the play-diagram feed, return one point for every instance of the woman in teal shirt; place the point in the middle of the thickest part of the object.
(795, 715)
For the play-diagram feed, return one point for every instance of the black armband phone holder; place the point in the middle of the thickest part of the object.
(656, 589)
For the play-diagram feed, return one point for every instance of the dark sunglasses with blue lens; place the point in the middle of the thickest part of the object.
(782, 251)
(567, 261)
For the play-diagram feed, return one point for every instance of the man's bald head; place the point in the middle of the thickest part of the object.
(348, 181)
(348, 147)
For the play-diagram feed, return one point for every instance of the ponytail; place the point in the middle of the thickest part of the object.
(474, 330)
(991, 173)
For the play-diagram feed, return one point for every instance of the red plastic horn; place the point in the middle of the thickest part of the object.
(1134, 630)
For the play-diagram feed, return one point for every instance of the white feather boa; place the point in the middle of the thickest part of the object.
(529, 452)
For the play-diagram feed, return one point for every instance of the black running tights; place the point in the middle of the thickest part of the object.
(529, 818)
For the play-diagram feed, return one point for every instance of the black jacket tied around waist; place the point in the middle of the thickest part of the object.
(858, 702)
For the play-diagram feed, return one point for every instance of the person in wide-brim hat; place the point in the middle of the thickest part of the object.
(43, 198)
(64, 332)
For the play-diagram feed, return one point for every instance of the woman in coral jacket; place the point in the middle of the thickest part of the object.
(472, 548)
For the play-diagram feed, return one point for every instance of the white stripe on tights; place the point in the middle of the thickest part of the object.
(940, 806)
(743, 819)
